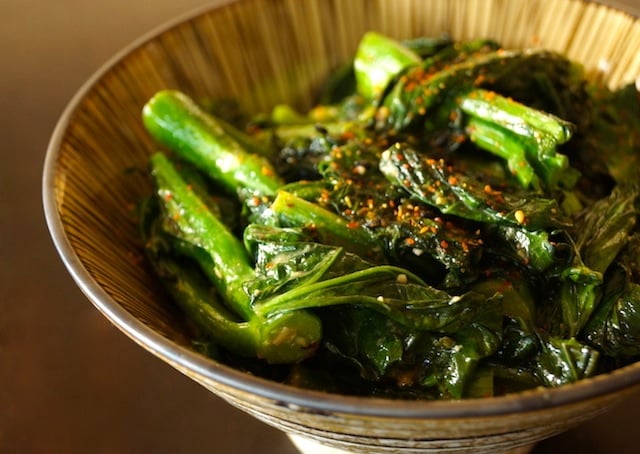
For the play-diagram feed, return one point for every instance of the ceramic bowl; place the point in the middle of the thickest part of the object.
(261, 53)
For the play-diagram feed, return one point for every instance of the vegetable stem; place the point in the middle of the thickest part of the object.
(177, 122)
(327, 227)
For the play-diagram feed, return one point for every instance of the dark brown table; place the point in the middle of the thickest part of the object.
(69, 381)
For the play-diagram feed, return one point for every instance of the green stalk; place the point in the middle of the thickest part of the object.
(329, 228)
(514, 116)
(280, 339)
(501, 143)
(178, 123)
(203, 307)
(197, 225)
(537, 132)
(378, 61)
(284, 338)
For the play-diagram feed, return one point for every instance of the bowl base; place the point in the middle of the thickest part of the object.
(307, 446)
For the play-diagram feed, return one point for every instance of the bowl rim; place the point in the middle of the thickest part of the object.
(295, 398)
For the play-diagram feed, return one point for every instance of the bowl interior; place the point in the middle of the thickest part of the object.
(259, 54)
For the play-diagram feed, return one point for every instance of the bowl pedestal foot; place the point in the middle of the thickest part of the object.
(307, 446)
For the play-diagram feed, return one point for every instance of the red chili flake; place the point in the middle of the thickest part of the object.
(409, 241)
(444, 244)
(253, 129)
(353, 225)
(453, 180)
(489, 95)
(135, 259)
(324, 195)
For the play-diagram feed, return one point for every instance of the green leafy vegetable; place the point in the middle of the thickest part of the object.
(452, 220)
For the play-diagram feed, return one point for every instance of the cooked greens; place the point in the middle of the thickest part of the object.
(452, 220)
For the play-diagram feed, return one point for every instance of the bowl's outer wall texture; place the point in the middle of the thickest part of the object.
(262, 53)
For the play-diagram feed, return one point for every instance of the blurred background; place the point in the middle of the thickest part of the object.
(70, 381)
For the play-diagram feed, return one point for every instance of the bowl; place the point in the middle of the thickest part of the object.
(262, 53)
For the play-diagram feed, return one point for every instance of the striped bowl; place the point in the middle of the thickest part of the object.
(262, 53)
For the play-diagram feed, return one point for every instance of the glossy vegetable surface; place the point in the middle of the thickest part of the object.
(453, 220)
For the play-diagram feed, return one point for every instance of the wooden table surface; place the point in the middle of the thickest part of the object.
(70, 382)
